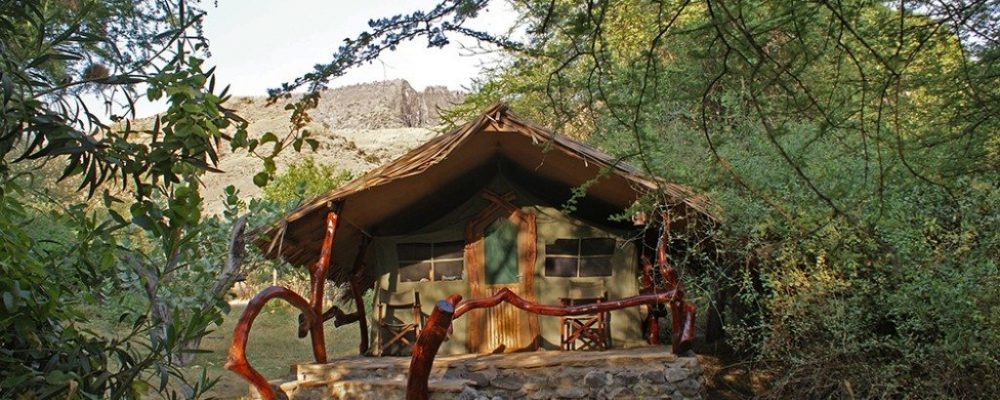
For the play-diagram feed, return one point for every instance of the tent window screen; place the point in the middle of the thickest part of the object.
(500, 242)
(571, 258)
(427, 262)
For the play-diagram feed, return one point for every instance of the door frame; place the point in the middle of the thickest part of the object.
(500, 206)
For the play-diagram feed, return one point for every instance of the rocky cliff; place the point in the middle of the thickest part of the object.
(358, 127)
(384, 105)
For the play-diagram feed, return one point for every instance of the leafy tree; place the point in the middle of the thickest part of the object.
(139, 232)
(851, 145)
(303, 180)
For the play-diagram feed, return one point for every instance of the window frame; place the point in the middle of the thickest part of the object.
(579, 257)
(433, 261)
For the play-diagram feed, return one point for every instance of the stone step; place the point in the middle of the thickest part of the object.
(391, 389)
(306, 390)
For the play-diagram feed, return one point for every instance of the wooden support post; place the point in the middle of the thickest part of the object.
(359, 303)
(317, 282)
(427, 346)
(649, 286)
(681, 313)
(358, 292)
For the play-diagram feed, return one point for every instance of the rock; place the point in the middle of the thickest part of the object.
(458, 371)
(688, 362)
(596, 379)
(626, 378)
(483, 377)
(508, 381)
(621, 394)
(531, 387)
(675, 374)
(468, 394)
(690, 387)
(653, 376)
(568, 392)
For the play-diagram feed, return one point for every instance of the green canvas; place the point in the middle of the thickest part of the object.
(500, 241)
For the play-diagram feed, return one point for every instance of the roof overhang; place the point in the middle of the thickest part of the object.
(459, 159)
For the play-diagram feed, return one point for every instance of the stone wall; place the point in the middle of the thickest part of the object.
(677, 379)
(644, 373)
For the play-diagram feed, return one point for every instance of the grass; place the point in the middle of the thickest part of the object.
(273, 347)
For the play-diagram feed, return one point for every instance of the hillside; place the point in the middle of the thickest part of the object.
(358, 127)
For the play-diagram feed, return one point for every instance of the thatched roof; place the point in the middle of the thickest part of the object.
(438, 175)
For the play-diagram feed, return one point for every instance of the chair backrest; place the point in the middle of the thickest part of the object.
(583, 292)
(406, 298)
(397, 300)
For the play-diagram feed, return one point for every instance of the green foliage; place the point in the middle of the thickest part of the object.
(303, 180)
(65, 256)
(851, 148)
(858, 234)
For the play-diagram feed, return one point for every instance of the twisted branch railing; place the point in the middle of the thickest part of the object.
(237, 350)
(312, 312)
(445, 311)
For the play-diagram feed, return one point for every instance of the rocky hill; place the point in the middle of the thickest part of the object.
(358, 127)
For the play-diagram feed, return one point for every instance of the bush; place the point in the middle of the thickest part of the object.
(303, 180)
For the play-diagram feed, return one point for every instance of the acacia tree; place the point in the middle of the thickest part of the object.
(853, 146)
(138, 228)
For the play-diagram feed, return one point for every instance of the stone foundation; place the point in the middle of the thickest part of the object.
(643, 373)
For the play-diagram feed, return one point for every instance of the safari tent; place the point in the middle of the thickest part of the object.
(497, 203)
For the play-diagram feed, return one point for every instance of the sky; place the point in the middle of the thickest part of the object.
(260, 44)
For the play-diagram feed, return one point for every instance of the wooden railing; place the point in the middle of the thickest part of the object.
(445, 311)
(311, 320)
(682, 316)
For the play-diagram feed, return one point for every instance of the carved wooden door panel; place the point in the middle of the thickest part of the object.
(500, 253)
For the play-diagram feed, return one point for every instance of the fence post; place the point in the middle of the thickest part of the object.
(427, 347)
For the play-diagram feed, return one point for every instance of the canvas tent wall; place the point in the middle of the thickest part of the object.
(553, 226)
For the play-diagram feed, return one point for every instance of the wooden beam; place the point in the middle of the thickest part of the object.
(358, 291)
(317, 282)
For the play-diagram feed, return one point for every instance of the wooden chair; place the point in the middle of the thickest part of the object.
(590, 331)
(391, 328)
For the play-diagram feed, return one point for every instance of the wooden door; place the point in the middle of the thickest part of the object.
(500, 253)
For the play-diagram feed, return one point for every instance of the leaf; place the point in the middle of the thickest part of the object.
(117, 217)
(8, 301)
(56, 377)
(121, 80)
(141, 217)
(261, 179)
(167, 33)
(268, 137)
(8, 87)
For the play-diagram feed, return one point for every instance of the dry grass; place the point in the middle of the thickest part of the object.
(272, 349)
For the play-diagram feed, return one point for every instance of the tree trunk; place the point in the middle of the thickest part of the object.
(159, 309)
